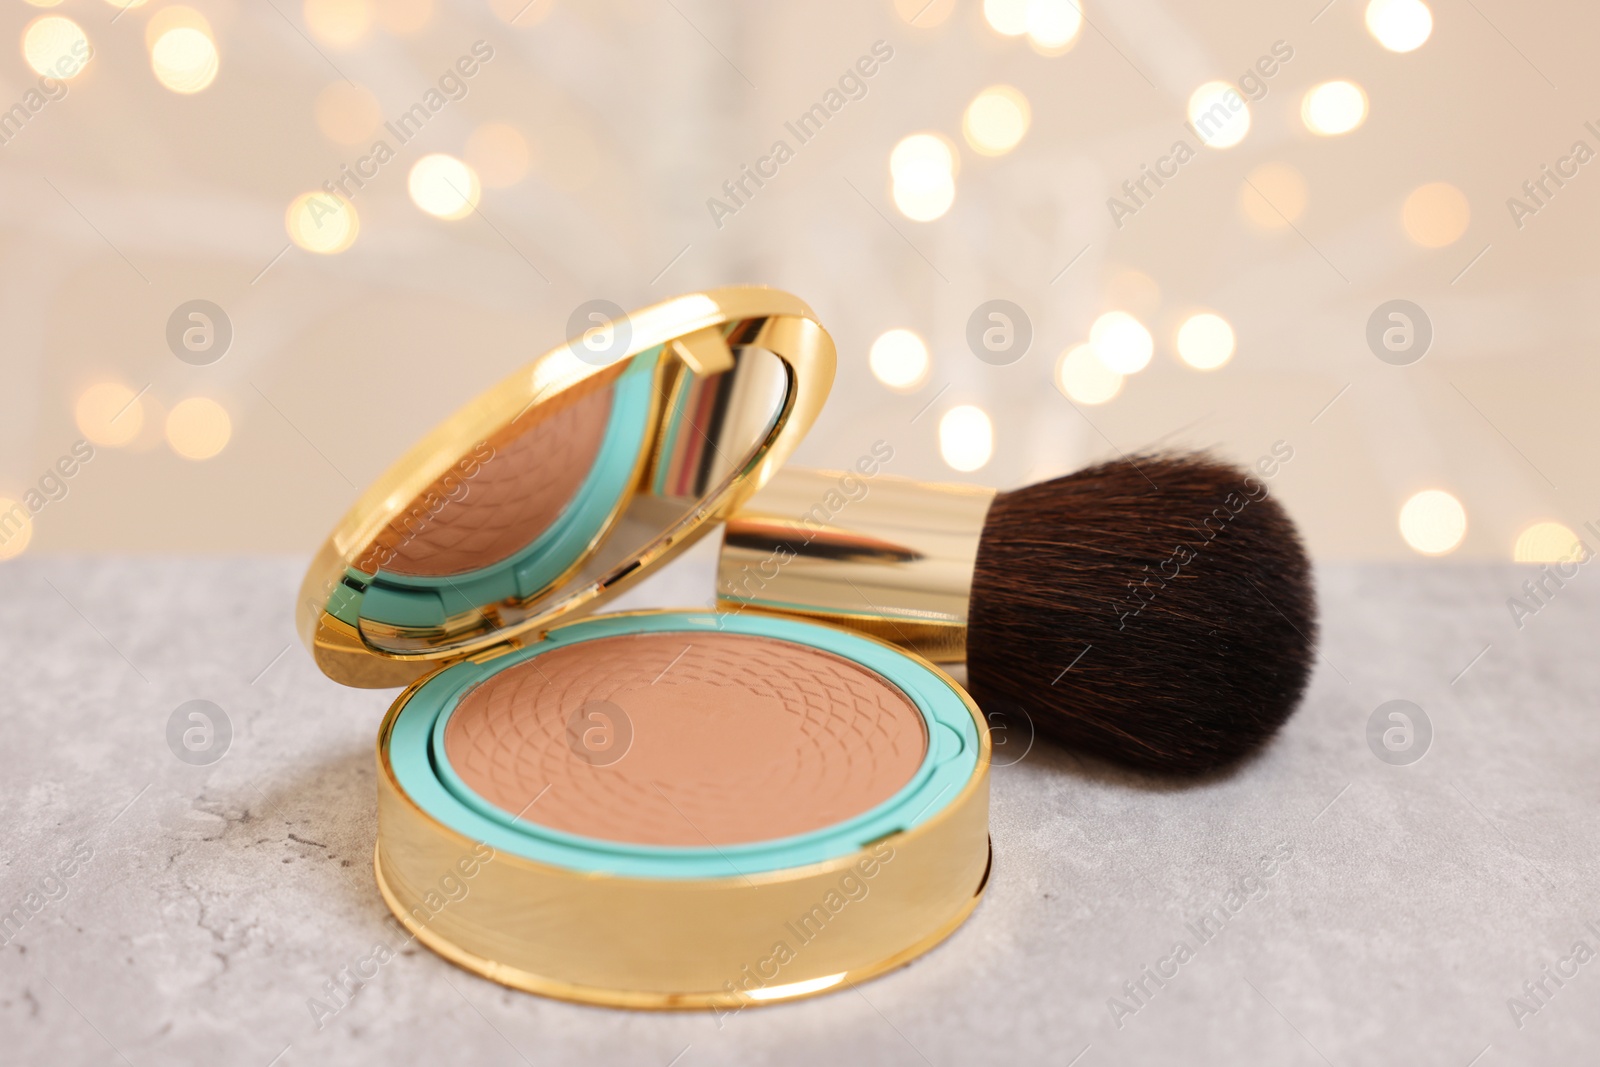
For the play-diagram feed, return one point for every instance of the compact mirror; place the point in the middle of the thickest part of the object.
(563, 484)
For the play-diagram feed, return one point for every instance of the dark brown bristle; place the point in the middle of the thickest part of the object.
(1174, 588)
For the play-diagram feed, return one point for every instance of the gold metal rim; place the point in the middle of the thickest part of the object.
(792, 332)
(528, 982)
(532, 926)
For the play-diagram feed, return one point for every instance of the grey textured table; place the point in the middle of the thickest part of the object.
(215, 901)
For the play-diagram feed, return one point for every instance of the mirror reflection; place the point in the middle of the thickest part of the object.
(565, 495)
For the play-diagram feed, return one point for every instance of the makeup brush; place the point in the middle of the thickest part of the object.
(1157, 609)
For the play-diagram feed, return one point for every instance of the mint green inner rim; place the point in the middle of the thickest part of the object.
(427, 601)
(416, 753)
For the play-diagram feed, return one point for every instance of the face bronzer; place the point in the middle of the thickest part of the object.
(722, 739)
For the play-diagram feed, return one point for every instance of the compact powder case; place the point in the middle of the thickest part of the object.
(649, 809)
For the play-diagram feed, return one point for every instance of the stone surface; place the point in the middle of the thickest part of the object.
(217, 900)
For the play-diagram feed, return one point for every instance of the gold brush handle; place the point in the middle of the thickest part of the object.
(886, 556)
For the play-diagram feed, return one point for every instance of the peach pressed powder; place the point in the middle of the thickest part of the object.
(509, 492)
(686, 739)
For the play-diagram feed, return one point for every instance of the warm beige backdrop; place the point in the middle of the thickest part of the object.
(122, 199)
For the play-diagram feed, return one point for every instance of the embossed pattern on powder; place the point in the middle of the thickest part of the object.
(734, 738)
(536, 465)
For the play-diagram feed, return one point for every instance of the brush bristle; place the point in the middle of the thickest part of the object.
(1158, 610)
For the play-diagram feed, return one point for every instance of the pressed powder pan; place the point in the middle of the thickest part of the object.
(729, 739)
(661, 809)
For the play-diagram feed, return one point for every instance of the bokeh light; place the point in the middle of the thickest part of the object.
(109, 413)
(996, 120)
(348, 114)
(1436, 214)
(184, 59)
(899, 359)
(923, 168)
(1053, 25)
(1008, 18)
(1121, 342)
(55, 46)
(321, 223)
(173, 17)
(1273, 196)
(1084, 378)
(924, 201)
(339, 23)
(404, 16)
(1205, 341)
(1219, 115)
(499, 153)
(1547, 542)
(443, 186)
(16, 527)
(919, 153)
(1399, 25)
(966, 437)
(1433, 522)
(1333, 108)
(48, 3)
(124, 4)
(198, 428)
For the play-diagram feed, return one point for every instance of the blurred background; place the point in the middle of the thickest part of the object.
(254, 250)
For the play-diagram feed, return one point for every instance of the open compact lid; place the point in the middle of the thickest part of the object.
(565, 483)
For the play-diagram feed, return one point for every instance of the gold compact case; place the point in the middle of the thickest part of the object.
(647, 809)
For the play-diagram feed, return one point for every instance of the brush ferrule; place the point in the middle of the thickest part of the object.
(886, 556)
